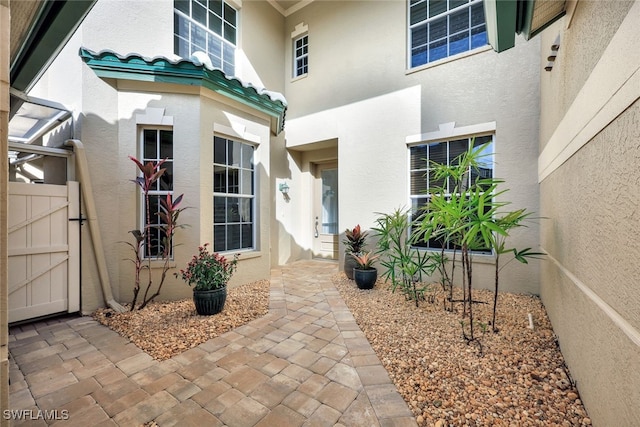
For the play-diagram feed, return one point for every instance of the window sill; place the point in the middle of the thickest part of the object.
(475, 257)
(158, 263)
(248, 254)
(448, 59)
(303, 76)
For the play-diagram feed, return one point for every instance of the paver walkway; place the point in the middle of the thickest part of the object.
(306, 363)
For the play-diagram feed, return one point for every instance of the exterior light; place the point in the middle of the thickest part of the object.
(284, 188)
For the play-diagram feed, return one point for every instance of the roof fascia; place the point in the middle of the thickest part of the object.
(55, 24)
(501, 18)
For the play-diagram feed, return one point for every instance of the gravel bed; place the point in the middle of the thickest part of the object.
(164, 329)
(516, 377)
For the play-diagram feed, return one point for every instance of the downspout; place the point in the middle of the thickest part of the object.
(82, 169)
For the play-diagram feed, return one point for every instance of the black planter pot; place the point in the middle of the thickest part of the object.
(349, 264)
(210, 302)
(365, 279)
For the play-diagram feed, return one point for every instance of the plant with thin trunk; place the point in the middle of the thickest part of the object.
(169, 212)
(469, 218)
(462, 216)
(507, 222)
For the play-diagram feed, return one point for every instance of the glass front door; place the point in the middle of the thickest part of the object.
(326, 211)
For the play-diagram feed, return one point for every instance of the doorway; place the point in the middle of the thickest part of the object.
(325, 211)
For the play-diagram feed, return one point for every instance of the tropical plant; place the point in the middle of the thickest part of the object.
(470, 218)
(169, 214)
(507, 222)
(365, 260)
(208, 271)
(354, 240)
(404, 265)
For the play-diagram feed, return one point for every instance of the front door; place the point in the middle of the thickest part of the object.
(325, 221)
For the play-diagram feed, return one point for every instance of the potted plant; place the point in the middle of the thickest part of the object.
(364, 273)
(354, 242)
(210, 273)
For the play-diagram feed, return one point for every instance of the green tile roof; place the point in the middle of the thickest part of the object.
(108, 64)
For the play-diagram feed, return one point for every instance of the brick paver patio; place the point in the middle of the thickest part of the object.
(306, 363)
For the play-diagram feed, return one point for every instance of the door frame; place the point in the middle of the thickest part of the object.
(321, 241)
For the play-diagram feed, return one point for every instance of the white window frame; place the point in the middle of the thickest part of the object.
(169, 165)
(301, 54)
(447, 132)
(252, 197)
(220, 46)
(428, 21)
(299, 32)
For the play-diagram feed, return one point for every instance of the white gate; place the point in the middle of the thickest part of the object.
(44, 269)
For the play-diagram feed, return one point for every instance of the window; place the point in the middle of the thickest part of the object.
(233, 195)
(209, 26)
(301, 56)
(442, 28)
(446, 152)
(157, 145)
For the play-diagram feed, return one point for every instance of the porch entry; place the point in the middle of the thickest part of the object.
(325, 211)
(44, 271)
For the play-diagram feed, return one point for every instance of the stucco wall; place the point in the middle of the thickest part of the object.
(589, 286)
(359, 92)
(4, 192)
(105, 114)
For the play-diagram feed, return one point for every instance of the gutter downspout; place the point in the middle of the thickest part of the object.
(92, 218)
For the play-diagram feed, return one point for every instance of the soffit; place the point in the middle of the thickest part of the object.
(505, 18)
(39, 29)
(23, 14)
(287, 7)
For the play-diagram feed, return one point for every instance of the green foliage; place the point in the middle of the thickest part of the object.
(208, 271)
(355, 240)
(364, 259)
(403, 265)
(169, 213)
(468, 216)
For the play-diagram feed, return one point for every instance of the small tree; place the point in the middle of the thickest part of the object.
(507, 222)
(169, 213)
(469, 218)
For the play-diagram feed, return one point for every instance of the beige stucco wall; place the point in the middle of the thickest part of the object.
(106, 121)
(590, 110)
(4, 197)
(359, 92)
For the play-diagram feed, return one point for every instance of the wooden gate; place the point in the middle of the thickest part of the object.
(44, 256)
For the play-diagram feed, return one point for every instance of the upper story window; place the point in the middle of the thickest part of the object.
(157, 145)
(209, 26)
(301, 56)
(442, 28)
(422, 180)
(233, 195)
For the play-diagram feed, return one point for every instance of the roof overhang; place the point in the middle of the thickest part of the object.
(506, 18)
(109, 65)
(44, 35)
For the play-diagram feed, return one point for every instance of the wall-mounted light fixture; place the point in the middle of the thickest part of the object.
(284, 188)
(554, 52)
